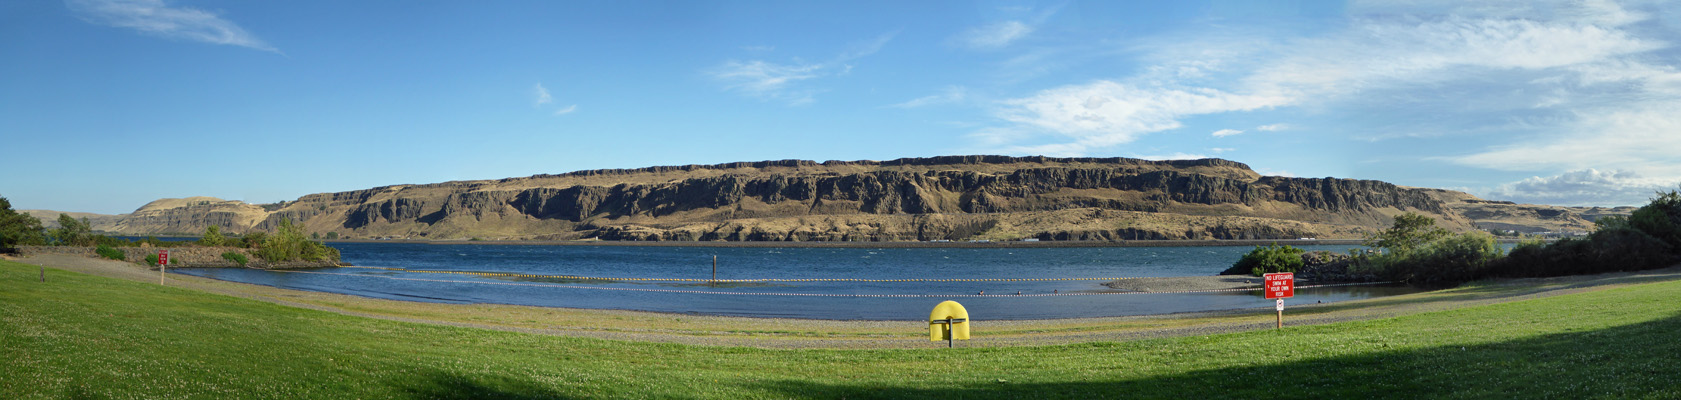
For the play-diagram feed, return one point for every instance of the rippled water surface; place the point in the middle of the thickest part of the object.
(429, 273)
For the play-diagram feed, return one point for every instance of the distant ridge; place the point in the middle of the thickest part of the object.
(973, 197)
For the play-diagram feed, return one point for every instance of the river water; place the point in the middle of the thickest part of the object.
(813, 283)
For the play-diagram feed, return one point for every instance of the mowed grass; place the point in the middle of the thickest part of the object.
(81, 336)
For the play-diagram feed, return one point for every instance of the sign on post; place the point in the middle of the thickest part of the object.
(163, 262)
(1279, 286)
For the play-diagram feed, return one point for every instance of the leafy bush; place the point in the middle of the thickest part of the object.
(1605, 250)
(1269, 259)
(152, 260)
(289, 244)
(253, 240)
(109, 252)
(236, 257)
(1452, 259)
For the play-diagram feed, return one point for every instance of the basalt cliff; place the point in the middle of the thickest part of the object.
(913, 199)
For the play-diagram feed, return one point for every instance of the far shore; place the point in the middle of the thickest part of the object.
(1014, 244)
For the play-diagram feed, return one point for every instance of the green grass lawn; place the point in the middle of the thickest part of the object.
(80, 336)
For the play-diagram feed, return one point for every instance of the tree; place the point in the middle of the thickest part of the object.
(213, 237)
(1661, 218)
(1410, 232)
(72, 232)
(18, 229)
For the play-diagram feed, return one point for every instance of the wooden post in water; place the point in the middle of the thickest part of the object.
(714, 270)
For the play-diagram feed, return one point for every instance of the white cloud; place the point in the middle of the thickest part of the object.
(1562, 56)
(766, 80)
(1173, 156)
(540, 96)
(1586, 187)
(567, 110)
(1226, 132)
(1106, 113)
(778, 81)
(1274, 172)
(949, 95)
(1645, 141)
(994, 36)
(1218, 150)
(156, 18)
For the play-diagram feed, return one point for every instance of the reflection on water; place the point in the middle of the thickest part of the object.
(872, 300)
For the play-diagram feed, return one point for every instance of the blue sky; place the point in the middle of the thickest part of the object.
(106, 105)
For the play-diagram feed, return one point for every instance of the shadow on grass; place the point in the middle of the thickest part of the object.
(443, 385)
(1636, 360)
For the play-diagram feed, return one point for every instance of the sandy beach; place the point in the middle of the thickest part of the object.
(801, 333)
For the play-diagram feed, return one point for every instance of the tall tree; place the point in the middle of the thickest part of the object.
(213, 237)
(18, 229)
(72, 232)
(1409, 232)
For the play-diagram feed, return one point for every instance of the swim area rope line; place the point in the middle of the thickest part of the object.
(715, 292)
(763, 280)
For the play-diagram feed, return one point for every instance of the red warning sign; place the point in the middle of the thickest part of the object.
(1280, 285)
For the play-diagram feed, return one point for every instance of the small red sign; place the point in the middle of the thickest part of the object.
(163, 257)
(1280, 285)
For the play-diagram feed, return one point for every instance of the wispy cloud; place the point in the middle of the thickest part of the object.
(1272, 128)
(1586, 187)
(156, 18)
(781, 81)
(540, 96)
(994, 35)
(767, 80)
(1227, 132)
(949, 95)
(1172, 156)
(1107, 113)
(567, 110)
(1001, 34)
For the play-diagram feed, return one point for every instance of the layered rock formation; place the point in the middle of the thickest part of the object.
(939, 198)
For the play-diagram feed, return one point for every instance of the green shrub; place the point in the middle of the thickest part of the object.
(236, 258)
(1605, 250)
(152, 260)
(1452, 259)
(1269, 259)
(109, 252)
(253, 240)
(289, 244)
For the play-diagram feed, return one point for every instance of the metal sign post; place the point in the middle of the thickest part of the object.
(1279, 286)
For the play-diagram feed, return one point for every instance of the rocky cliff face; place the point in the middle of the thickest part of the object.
(939, 198)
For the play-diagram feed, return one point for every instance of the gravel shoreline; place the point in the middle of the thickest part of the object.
(802, 333)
